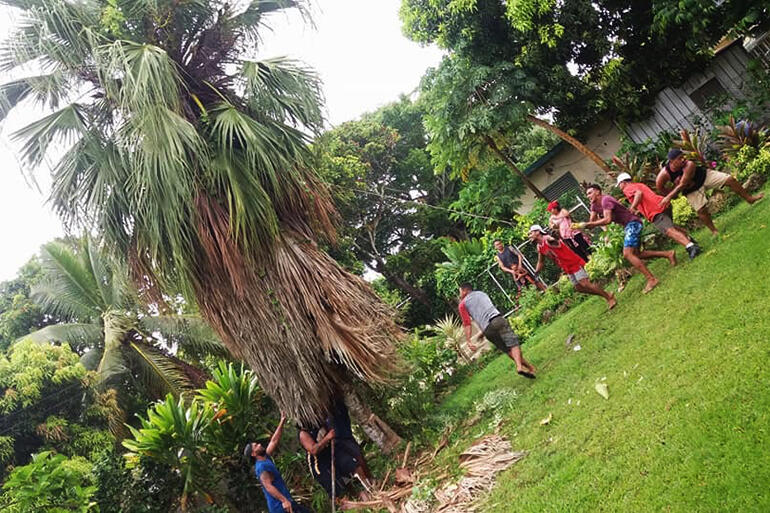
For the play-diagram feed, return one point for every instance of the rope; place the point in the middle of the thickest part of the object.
(428, 205)
(334, 482)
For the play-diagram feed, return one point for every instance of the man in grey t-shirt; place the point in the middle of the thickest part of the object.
(476, 305)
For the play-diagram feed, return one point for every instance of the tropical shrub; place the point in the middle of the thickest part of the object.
(538, 309)
(431, 363)
(683, 213)
(201, 440)
(748, 161)
(734, 136)
(51, 482)
(608, 253)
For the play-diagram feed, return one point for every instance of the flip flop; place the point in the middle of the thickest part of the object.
(526, 374)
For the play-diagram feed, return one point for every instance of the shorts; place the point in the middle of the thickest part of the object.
(499, 332)
(714, 180)
(633, 237)
(663, 222)
(575, 277)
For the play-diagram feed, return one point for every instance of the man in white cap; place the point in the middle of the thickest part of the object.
(645, 202)
(569, 262)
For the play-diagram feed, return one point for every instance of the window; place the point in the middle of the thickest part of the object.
(705, 96)
(565, 183)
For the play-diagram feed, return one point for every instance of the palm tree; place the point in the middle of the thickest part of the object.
(189, 159)
(120, 342)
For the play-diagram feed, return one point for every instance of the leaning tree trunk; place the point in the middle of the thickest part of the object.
(512, 165)
(400, 283)
(375, 428)
(582, 148)
(301, 322)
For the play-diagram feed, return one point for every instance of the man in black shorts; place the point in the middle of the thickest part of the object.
(476, 305)
(509, 261)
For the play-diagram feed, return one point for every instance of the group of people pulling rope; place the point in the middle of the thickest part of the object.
(334, 457)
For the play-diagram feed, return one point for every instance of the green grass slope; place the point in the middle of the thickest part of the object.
(687, 423)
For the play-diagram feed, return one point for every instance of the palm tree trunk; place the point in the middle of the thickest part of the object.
(375, 428)
(304, 325)
(582, 148)
(512, 165)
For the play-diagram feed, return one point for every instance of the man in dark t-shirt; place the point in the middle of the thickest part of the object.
(605, 210)
(509, 261)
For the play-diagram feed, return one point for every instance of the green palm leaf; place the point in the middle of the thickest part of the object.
(69, 288)
(76, 334)
(188, 332)
(160, 373)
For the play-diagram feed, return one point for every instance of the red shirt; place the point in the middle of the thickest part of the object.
(464, 315)
(564, 257)
(649, 206)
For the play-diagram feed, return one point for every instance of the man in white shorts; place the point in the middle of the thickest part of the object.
(693, 181)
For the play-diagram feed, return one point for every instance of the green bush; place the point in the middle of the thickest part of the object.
(431, 363)
(749, 161)
(683, 213)
(51, 482)
(608, 253)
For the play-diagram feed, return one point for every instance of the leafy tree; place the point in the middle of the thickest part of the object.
(189, 160)
(119, 341)
(391, 202)
(492, 195)
(19, 315)
(613, 48)
(47, 404)
(470, 113)
(51, 482)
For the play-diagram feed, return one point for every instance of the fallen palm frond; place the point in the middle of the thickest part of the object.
(481, 462)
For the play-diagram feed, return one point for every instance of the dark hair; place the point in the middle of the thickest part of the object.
(497, 240)
(593, 186)
(466, 286)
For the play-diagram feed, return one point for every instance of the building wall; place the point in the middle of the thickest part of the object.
(604, 139)
(674, 107)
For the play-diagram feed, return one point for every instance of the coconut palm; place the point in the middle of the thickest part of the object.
(104, 321)
(189, 158)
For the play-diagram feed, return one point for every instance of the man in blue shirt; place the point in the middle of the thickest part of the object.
(276, 493)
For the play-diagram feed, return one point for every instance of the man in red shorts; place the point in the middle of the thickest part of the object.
(644, 201)
(568, 261)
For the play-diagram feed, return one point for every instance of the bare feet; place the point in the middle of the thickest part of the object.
(611, 302)
(651, 284)
(756, 198)
(672, 258)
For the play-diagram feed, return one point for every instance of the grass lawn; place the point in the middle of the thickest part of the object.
(687, 423)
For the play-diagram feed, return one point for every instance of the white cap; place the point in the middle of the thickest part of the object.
(536, 228)
(622, 177)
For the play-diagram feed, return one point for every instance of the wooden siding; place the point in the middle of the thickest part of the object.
(675, 110)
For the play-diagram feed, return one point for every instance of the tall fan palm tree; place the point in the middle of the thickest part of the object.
(120, 342)
(189, 157)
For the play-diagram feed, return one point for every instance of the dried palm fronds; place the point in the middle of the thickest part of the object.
(482, 461)
(303, 324)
